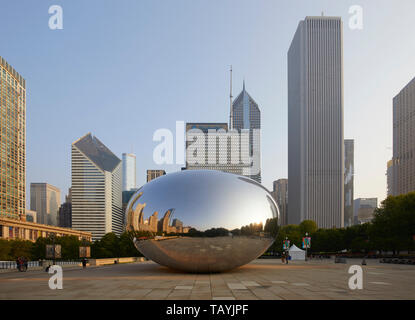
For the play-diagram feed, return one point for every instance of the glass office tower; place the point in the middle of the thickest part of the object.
(128, 171)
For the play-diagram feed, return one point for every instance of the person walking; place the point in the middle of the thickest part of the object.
(23, 264)
(18, 263)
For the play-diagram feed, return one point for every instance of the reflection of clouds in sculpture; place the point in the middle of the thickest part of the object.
(202, 207)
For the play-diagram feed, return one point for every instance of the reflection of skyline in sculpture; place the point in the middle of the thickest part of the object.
(234, 220)
(221, 195)
(153, 224)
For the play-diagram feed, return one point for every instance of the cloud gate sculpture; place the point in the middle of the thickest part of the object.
(202, 220)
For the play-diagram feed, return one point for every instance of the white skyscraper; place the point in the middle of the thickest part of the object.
(128, 171)
(315, 123)
(246, 115)
(96, 188)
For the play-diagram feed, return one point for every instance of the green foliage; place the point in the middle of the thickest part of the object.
(251, 229)
(21, 248)
(271, 227)
(111, 245)
(5, 248)
(392, 229)
(308, 226)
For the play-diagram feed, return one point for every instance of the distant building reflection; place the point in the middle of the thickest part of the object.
(153, 224)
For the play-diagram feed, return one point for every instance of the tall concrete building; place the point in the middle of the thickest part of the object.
(153, 174)
(65, 215)
(403, 164)
(364, 209)
(280, 193)
(391, 182)
(45, 199)
(246, 115)
(96, 188)
(65, 211)
(315, 123)
(348, 181)
(12, 142)
(128, 171)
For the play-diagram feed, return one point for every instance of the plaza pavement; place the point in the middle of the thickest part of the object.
(261, 279)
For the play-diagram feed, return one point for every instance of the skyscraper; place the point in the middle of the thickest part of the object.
(212, 141)
(65, 211)
(13, 142)
(128, 171)
(280, 193)
(391, 182)
(315, 123)
(348, 181)
(364, 209)
(403, 164)
(65, 215)
(246, 115)
(96, 188)
(45, 199)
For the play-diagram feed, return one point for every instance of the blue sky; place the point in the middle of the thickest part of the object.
(123, 69)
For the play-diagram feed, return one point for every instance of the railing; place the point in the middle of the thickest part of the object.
(34, 264)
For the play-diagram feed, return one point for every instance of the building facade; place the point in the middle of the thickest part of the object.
(348, 182)
(153, 174)
(12, 142)
(390, 178)
(31, 216)
(96, 188)
(403, 164)
(208, 147)
(315, 123)
(280, 193)
(65, 215)
(364, 209)
(246, 115)
(12, 229)
(128, 171)
(45, 199)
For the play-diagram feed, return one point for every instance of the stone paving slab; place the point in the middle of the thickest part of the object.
(262, 279)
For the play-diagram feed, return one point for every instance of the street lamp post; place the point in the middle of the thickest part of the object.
(306, 245)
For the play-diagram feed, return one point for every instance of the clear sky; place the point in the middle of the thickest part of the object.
(123, 69)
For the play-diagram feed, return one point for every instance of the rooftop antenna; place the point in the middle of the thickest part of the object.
(230, 98)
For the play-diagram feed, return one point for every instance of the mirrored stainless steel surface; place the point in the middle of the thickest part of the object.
(202, 220)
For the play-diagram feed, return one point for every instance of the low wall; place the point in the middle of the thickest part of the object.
(100, 262)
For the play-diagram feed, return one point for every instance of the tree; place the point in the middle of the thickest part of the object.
(69, 246)
(39, 248)
(271, 227)
(127, 247)
(21, 248)
(308, 226)
(393, 227)
(5, 248)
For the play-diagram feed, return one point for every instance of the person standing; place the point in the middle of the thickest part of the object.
(18, 264)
